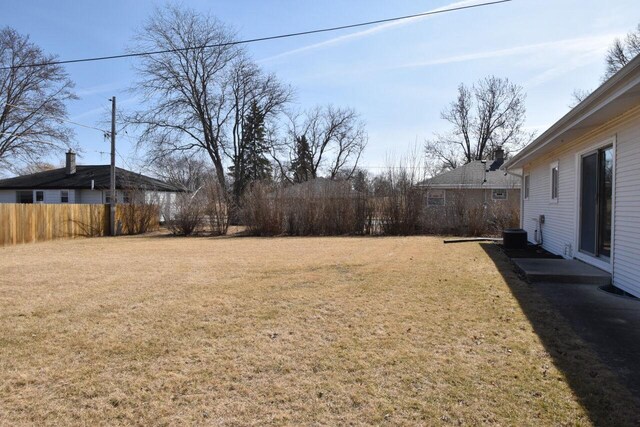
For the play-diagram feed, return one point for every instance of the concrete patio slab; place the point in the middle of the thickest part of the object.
(609, 323)
(561, 271)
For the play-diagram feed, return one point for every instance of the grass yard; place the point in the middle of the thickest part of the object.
(287, 331)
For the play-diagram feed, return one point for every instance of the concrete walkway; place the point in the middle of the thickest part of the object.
(610, 323)
(561, 271)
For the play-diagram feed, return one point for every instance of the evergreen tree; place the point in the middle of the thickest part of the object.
(302, 164)
(361, 182)
(253, 163)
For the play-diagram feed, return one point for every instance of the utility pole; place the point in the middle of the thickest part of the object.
(112, 183)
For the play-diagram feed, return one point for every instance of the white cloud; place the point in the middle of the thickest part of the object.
(369, 31)
(549, 59)
(536, 52)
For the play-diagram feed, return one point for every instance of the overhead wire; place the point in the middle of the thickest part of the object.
(258, 39)
(239, 42)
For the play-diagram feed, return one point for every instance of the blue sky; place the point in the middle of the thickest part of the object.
(398, 76)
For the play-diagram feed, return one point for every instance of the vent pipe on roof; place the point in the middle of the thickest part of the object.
(484, 171)
(70, 164)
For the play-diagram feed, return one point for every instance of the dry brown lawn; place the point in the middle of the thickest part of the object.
(286, 331)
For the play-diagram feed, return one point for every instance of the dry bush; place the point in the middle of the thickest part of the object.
(476, 223)
(141, 211)
(216, 208)
(402, 203)
(138, 218)
(188, 214)
(466, 215)
(504, 216)
(400, 211)
(317, 207)
(260, 212)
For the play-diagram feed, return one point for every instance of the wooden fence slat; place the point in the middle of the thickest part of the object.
(24, 223)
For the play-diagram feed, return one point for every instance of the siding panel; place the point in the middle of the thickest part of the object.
(627, 209)
(559, 230)
(7, 196)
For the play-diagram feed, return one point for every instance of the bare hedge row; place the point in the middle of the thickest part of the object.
(335, 209)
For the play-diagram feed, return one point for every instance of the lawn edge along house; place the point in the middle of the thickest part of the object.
(580, 179)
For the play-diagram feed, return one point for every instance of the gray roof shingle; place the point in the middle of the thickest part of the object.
(472, 175)
(58, 179)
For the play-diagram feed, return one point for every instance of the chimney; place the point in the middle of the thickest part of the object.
(498, 153)
(70, 165)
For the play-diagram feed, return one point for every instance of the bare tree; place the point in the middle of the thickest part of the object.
(485, 116)
(185, 90)
(334, 140)
(189, 173)
(197, 94)
(32, 101)
(35, 167)
(619, 54)
(578, 96)
(622, 51)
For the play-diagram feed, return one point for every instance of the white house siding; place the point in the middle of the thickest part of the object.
(90, 196)
(7, 196)
(166, 202)
(50, 196)
(561, 218)
(53, 196)
(626, 245)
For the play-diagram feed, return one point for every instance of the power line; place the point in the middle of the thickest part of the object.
(259, 39)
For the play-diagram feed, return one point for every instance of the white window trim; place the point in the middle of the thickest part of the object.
(68, 196)
(35, 196)
(526, 186)
(444, 197)
(552, 166)
(493, 194)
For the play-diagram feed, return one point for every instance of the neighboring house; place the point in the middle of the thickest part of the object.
(581, 181)
(85, 184)
(479, 183)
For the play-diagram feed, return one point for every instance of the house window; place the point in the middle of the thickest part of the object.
(64, 196)
(435, 198)
(499, 194)
(39, 196)
(555, 175)
(24, 196)
(527, 179)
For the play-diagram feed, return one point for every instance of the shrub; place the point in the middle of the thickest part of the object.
(216, 208)
(187, 215)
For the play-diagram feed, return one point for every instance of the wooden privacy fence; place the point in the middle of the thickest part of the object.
(27, 223)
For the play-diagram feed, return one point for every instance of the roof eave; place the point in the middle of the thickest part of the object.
(597, 100)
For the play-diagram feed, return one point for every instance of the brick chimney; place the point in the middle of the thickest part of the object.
(498, 153)
(70, 165)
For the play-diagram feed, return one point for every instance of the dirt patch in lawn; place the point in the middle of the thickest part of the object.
(278, 331)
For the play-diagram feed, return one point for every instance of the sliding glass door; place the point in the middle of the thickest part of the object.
(596, 195)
